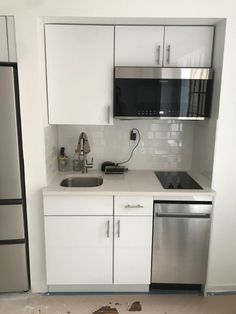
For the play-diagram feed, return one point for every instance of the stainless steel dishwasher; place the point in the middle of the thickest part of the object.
(180, 241)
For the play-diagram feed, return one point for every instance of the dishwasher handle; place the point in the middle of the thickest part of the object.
(182, 215)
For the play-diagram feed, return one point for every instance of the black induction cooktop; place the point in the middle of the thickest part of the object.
(177, 180)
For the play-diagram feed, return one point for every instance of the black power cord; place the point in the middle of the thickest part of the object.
(139, 138)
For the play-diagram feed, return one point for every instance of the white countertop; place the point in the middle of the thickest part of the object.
(133, 182)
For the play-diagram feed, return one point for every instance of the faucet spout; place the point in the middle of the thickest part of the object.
(83, 148)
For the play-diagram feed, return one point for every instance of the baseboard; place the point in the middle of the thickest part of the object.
(97, 288)
(219, 289)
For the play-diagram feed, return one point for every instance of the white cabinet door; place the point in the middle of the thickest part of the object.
(139, 45)
(79, 249)
(79, 62)
(132, 250)
(188, 46)
(11, 39)
(3, 39)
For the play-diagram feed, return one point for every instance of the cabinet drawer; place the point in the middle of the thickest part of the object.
(78, 205)
(133, 205)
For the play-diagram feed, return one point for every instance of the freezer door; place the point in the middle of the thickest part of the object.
(11, 222)
(10, 183)
(13, 269)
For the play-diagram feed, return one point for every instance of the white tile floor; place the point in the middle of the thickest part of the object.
(87, 304)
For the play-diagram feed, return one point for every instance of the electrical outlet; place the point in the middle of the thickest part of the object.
(132, 138)
(133, 135)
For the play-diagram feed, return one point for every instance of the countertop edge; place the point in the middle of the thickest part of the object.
(130, 184)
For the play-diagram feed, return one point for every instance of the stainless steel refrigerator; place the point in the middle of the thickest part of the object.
(14, 266)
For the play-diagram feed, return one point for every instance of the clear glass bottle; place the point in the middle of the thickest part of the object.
(76, 163)
(63, 160)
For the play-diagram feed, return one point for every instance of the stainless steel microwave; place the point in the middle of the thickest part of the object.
(162, 93)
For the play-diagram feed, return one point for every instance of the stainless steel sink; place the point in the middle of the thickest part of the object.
(81, 182)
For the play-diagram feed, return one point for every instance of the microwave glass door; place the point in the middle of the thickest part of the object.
(181, 98)
(136, 97)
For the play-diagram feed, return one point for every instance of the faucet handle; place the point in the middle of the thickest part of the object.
(89, 163)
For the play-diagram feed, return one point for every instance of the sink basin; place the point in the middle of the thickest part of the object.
(81, 182)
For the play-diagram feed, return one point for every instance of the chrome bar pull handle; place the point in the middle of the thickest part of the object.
(108, 114)
(168, 55)
(134, 206)
(158, 54)
(182, 215)
(118, 230)
(108, 228)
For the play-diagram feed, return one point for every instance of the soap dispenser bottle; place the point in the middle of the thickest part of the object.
(63, 160)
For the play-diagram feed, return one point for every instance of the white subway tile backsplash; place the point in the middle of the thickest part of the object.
(165, 144)
(174, 127)
(150, 135)
(172, 143)
(160, 135)
(154, 127)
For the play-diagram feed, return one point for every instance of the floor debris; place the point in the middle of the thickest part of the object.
(106, 310)
(135, 307)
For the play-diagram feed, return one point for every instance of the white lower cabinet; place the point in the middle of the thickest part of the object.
(132, 249)
(79, 249)
(98, 249)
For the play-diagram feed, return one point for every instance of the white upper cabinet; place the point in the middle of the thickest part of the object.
(164, 46)
(79, 61)
(3, 39)
(139, 45)
(11, 39)
(188, 46)
(7, 39)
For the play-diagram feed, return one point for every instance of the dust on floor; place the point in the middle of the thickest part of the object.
(88, 304)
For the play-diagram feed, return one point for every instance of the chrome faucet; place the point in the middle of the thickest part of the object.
(83, 148)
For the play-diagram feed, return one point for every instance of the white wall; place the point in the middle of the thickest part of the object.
(51, 151)
(163, 145)
(204, 144)
(28, 35)
(204, 132)
(223, 247)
